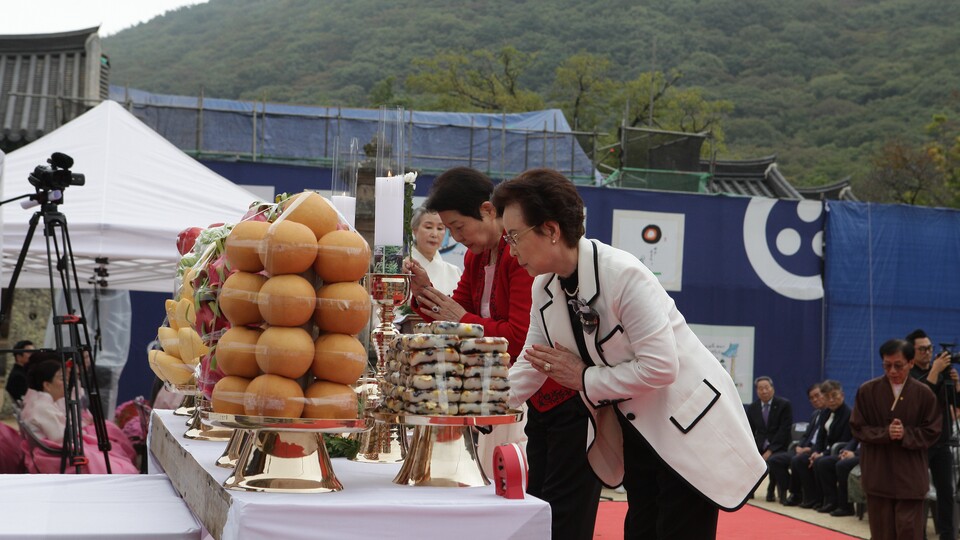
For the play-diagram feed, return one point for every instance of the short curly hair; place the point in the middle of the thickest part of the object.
(544, 195)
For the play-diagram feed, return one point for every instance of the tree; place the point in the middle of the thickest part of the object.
(944, 150)
(580, 83)
(654, 100)
(482, 80)
(904, 173)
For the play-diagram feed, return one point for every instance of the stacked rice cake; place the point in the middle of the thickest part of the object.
(448, 369)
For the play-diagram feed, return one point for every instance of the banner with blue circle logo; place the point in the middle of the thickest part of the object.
(745, 272)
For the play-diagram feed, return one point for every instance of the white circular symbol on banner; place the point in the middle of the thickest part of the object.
(788, 242)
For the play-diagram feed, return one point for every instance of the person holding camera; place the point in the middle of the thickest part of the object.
(940, 377)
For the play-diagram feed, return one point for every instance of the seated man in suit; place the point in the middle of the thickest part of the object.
(833, 472)
(771, 419)
(834, 429)
(779, 464)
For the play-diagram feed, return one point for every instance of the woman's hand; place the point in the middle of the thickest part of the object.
(558, 363)
(440, 306)
(419, 278)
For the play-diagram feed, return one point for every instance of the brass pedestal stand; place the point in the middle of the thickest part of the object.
(284, 455)
(443, 453)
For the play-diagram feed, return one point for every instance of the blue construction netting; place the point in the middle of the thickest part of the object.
(502, 145)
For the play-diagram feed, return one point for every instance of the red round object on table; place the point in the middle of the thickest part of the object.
(510, 471)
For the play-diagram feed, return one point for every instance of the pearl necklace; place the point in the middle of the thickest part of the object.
(571, 294)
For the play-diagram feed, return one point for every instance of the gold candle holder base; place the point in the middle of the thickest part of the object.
(231, 454)
(284, 462)
(385, 443)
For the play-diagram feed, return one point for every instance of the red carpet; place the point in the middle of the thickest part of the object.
(748, 523)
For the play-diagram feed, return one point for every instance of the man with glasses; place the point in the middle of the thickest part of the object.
(896, 419)
(942, 379)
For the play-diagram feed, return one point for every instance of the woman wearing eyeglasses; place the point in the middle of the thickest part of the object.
(665, 418)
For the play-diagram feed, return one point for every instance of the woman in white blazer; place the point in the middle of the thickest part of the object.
(666, 420)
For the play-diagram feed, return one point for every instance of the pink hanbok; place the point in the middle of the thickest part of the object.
(47, 419)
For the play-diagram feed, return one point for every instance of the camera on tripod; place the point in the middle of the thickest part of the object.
(948, 347)
(57, 176)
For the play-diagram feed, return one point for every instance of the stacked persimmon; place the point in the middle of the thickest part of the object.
(291, 350)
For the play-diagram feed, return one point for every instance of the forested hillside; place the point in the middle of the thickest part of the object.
(824, 84)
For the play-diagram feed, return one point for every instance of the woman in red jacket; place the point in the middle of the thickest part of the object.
(495, 291)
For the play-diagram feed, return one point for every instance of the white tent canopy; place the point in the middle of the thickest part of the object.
(140, 192)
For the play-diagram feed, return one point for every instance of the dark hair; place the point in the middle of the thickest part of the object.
(41, 372)
(894, 346)
(761, 378)
(814, 386)
(544, 195)
(916, 334)
(22, 344)
(462, 189)
(830, 385)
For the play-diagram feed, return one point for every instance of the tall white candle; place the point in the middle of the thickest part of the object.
(388, 223)
(347, 206)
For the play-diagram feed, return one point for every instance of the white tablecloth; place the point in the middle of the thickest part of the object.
(370, 505)
(55, 506)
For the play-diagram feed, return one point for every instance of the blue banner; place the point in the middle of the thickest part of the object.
(890, 269)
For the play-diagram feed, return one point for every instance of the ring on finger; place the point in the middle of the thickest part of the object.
(435, 309)
(547, 366)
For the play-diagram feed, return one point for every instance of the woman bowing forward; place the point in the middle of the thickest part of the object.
(666, 419)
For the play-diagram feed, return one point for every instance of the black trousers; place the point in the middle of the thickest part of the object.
(844, 466)
(941, 472)
(779, 466)
(801, 474)
(661, 504)
(559, 471)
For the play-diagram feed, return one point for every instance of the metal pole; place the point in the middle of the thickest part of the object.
(200, 123)
(470, 162)
(489, 143)
(253, 137)
(503, 144)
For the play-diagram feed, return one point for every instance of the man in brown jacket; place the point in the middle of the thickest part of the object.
(896, 419)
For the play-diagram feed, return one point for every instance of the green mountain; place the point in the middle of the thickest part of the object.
(821, 83)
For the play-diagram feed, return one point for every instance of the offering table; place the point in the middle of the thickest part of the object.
(370, 505)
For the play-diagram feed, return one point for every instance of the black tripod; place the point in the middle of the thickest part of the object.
(76, 356)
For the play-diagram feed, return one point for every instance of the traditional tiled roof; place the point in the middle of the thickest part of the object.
(753, 177)
(47, 80)
(838, 191)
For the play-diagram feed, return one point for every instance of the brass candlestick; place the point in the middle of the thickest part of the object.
(385, 443)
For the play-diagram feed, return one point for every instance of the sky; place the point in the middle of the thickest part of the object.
(49, 16)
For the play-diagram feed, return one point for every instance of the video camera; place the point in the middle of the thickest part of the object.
(57, 176)
(948, 347)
